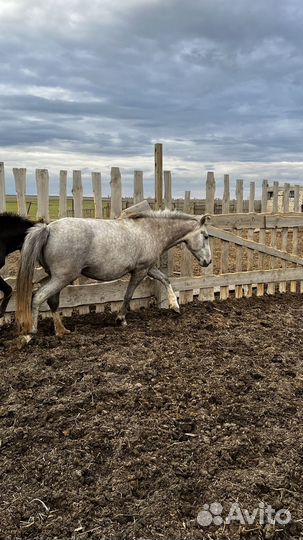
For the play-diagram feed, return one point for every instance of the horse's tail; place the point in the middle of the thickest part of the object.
(35, 240)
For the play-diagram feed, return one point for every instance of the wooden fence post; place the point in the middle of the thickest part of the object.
(293, 284)
(168, 204)
(62, 194)
(208, 294)
(239, 250)
(42, 182)
(158, 176)
(97, 191)
(116, 193)
(186, 260)
(138, 187)
(250, 234)
(20, 182)
(271, 288)
(224, 291)
(77, 192)
(262, 235)
(2, 188)
(284, 241)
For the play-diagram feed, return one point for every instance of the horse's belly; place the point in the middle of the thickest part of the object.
(104, 274)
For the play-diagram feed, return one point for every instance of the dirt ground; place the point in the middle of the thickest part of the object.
(126, 433)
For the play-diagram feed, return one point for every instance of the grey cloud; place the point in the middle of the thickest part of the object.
(220, 77)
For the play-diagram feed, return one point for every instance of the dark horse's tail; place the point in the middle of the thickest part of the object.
(34, 242)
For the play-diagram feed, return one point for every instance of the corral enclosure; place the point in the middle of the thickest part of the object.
(130, 433)
(256, 248)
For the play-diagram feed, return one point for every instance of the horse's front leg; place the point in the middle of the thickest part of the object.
(136, 277)
(7, 292)
(171, 297)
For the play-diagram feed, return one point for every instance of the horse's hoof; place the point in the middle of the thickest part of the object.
(121, 322)
(63, 333)
(22, 341)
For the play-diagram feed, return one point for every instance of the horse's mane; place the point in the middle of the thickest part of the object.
(162, 214)
(9, 219)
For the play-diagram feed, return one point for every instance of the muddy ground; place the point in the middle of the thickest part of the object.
(126, 433)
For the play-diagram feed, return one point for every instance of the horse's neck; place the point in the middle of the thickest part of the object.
(174, 230)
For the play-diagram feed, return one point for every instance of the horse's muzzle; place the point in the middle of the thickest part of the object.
(205, 264)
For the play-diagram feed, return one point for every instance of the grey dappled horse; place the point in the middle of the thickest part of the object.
(104, 250)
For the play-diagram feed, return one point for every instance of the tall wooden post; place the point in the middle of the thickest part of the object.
(158, 176)
(20, 182)
(186, 269)
(116, 193)
(62, 195)
(97, 191)
(42, 182)
(138, 187)
(77, 194)
(239, 251)
(224, 291)
(208, 294)
(2, 188)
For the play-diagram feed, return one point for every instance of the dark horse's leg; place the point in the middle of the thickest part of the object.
(4, 287)
(136, 277)
(7, 292)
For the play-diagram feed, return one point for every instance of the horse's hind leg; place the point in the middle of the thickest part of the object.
(50, 289)
(53, 302)
(136, 277)
(171, 297)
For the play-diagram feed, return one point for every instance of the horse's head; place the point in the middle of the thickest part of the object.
(197, 242)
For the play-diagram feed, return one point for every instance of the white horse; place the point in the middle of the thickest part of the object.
(104, 250)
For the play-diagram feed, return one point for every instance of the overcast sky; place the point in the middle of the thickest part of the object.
(94, 85)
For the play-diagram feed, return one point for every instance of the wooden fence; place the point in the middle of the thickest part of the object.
(253, 252)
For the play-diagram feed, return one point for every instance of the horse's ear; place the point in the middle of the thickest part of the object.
(205, 219)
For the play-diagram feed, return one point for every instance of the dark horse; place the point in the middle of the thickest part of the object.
(13, 229)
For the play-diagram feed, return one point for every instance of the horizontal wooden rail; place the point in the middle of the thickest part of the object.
(257, 221)
(250, 244)
(238, 278)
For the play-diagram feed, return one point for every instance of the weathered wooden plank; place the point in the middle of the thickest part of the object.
(97, 191)
(250, 235)
(284, 220)
(158, 176)
(267, 250)
(239, 250)
(262, 234)
(271, 289)
(224, 291)
(138, 187)
(284, 242)
(295, 234)
(186, 268)
(168, 204)
(62, 194)
(208, 294)
(42, 182)
(167, 190)
(2, 188)
(74, 296)
(20, 183)
(257, 221)
(77, 192)
(116, 193)
(245, 278)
